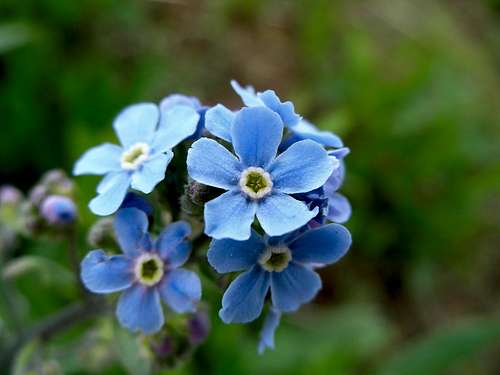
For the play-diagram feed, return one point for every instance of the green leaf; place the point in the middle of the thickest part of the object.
(130, 353)
(22, 362)
(447, 347)
(47, 271)
(13, 35)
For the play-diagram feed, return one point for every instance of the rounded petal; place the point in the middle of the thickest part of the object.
(99, 160)
(339, 208)
(176, 124)
(179, 99)
(172, 243)
(101, 273)
(279, 214)
(137, 123)
(247, 94)
(306, 130)
(151, 172)
(139, 309)
(293, 287)
(219, 120)
(230, 256)
(256, 135)
(131, 224)
(285, 110)
(230, 215)
(181, 290)
(244, 299)
(111, 193)
(303, 167)
(212, 164)
(336, 179)
(268, 330)
(325, 245)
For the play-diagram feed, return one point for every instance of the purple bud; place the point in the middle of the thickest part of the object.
(58, 210)
(37, 194)
(10, 195)
(198, 327)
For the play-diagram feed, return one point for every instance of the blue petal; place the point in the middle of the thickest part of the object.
(176, 124)
(230, 215)
(212, 164)
(279, 214)
(181, 290)
(99, 160)
(336, 179)
(324, 245)
(293, 286)
(340, 153)
(111, 191)
(256, 135)
(271, 323)
(306, 130)
(179, 99)
(219, 120)
(247, 94)
(133, 200)
(137, 123)
(172, 243)
(244, 299)
(285, 110)
(106, 274)
(139, 309)
(230, 255)
(303, 167)
(151, 172)
(131, 224)
(339, 208)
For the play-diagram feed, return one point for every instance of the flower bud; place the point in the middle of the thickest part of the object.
(10, 195)
(58, 210)
(198, 327)
(101, 235)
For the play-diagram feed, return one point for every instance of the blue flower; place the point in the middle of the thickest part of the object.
(147, 137)
(258, 182)
(146, 272)
(219, 118)
(190, 101)
(58, 210)
(339, 208)
(283, 265)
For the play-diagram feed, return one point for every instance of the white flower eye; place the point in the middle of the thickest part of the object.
(255, 182)
(149, 269)
(135, 156)
(275, 258)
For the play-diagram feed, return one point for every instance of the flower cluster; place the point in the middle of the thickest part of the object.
(267, 183)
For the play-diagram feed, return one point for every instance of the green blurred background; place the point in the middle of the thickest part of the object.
(412, 88)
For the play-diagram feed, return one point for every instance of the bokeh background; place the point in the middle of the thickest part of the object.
(411, 87)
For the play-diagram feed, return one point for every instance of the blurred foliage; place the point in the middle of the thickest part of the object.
(411, 87)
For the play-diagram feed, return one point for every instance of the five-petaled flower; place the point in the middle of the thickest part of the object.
(258, 183)
(145, 272)
(147, 136)
(282, 264)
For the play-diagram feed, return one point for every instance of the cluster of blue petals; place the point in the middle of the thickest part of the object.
(277, 219)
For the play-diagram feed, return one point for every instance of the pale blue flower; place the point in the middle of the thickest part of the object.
(257, 182)
(147, 136)
(146, 272)
(339, 209)
(283, 265)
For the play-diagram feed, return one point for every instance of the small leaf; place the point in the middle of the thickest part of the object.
(130, 353)
(13, 35)
(47, 271)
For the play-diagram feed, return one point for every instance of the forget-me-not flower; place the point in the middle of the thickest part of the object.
(257, 182)
(283, 265)
(147, 138)
(271, 323)
(146, 272)
(339, 208)
(219, 118)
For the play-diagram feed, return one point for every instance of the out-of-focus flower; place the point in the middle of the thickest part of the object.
(146, 272)
(281, 264)
(258, 183)
(101, 234)
(198, 327)
(58, 210)
(147, 137)
(10, 195)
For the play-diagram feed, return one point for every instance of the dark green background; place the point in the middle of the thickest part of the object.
(412, 88)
